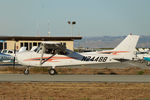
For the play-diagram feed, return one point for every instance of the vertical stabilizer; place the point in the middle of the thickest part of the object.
(128, 44)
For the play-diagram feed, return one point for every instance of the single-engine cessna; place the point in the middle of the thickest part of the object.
(53, 54)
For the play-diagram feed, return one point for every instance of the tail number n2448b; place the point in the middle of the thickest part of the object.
(98, 59)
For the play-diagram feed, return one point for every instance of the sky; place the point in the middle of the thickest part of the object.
(93, 17)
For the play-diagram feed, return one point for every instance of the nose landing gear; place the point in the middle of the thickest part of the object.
(26, 71)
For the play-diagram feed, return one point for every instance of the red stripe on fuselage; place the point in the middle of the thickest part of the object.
(113, 52)
(49, 60)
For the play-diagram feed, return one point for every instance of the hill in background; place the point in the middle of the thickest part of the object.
(109, 42)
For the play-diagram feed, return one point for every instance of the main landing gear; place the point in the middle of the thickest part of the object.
(51, 71)
(26, 71)
(148, 63)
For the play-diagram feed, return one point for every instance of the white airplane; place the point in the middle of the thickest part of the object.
(52, 54)
(147, 59)
(8, 55)
(141, 53)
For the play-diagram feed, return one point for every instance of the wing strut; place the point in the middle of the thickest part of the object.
(42, 53)
(42, 61)
(46, 59)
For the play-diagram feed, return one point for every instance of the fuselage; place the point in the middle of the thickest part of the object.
(31, 58)
(56, 54)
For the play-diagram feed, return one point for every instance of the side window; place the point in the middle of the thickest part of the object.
(10, 51)
(39, 43)
(39, 50)
(50, 51)
(64, 44)
(63, 52)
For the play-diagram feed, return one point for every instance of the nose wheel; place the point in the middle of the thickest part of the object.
(52, 71)
(26, 71)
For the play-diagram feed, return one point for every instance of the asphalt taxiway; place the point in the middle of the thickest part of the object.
(79, 78)
(73, 78)
(102, 65)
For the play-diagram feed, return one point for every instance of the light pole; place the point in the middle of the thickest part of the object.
(71, 23)
(49, 29)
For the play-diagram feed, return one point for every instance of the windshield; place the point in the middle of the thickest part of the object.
(38, 49)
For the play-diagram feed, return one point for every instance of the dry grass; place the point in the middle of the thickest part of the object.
(74, 91)
(105, 71)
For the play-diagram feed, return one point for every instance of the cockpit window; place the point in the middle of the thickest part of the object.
(52, 49)
(10, 51)
(38, 49)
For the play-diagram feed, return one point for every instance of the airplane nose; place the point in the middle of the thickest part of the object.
(19, 57)
(22, 56)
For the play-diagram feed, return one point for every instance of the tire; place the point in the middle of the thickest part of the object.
(26, 71)
(52, 71)
(148, 63)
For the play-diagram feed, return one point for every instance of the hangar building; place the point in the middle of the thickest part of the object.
(9, 42)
